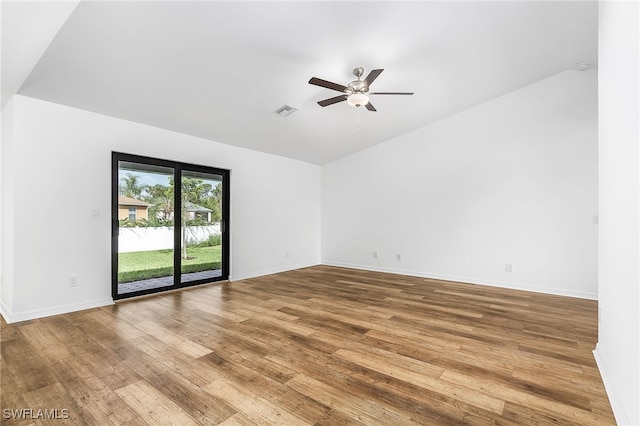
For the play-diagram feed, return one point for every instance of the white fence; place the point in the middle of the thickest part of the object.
(148, 238)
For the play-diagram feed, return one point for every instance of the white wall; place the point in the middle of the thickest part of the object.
(6, 217)
(618, 350)
(62, 170)
(513, 180)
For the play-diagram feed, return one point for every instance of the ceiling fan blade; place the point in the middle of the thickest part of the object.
(370, 107)
(327, 84)
(332, 101)
(372, 76)
(390, 93)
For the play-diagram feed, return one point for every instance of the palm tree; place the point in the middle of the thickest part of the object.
(130, 186)
(161, 199)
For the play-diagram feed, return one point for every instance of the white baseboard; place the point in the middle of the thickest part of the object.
(5, 311)
(255, 274)
(619, 411)
(469, 280)
(12, 317)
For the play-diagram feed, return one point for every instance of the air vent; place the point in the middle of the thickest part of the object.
(582, 66)
(285, 110)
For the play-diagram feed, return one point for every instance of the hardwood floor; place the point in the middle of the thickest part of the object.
(319, 345)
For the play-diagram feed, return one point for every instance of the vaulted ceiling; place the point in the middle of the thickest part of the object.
(219, 70)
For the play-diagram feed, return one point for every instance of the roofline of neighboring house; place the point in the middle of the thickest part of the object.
(128, 201)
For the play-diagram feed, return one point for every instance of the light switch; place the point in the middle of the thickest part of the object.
(96, 214)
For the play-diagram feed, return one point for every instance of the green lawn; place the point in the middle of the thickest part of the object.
(142, 265)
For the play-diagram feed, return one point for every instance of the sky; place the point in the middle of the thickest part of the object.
(147, 178)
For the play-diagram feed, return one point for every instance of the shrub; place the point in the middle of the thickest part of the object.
(146, 274)
(213, 240)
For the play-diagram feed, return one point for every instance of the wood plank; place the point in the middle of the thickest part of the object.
(362, 410)
(191, 399)
(251, 405)
(51, 404)
(247, 371)
(43, 342)
(510, 391)
(238, 419)
(471, 396)
(175, 341)
(152, 406)
(174, 360)
(23, 368)
(424, 406)
(97, 403)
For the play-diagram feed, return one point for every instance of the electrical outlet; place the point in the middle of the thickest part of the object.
(398, 257)
(508, 267)
(286, 254)
(73, 281)
(596, 219)
(375, 254)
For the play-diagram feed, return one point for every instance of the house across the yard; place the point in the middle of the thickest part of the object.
(195, 211)
(132, 209)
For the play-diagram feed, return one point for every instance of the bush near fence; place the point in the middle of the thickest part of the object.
(159, 238)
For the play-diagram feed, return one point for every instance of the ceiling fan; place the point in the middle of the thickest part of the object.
(356, 93)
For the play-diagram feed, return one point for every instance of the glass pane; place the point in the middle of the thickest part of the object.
(201, 236)
(145, 216)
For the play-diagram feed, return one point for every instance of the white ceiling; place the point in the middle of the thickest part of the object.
(27, 28)
(219, 70)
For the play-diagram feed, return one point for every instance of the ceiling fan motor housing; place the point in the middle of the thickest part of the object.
(358, 86)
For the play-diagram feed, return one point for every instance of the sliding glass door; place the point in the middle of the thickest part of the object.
(170, 225)
(201, 234)
(144, 226)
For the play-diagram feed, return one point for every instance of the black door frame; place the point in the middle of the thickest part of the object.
(177, 167)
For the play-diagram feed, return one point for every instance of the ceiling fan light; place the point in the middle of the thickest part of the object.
(358, 99)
